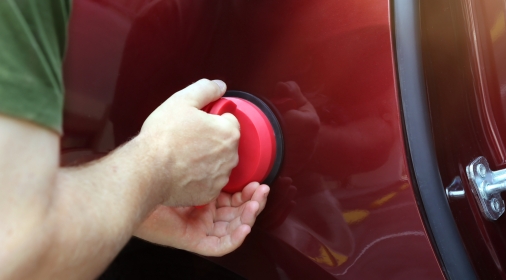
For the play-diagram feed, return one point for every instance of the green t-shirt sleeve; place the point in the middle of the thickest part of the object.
(32, 46)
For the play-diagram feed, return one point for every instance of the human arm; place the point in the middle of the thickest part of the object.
(52, 224)
(71, 222)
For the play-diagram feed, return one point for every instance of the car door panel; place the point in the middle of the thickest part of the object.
(343, 205)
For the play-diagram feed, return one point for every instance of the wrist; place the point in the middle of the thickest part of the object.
(151, 167)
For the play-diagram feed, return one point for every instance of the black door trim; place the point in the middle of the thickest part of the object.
(418, 134)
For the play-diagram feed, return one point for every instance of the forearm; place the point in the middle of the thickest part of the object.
(68, 222)
(98, 206)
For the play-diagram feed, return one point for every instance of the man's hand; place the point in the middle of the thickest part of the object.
(214, 230)
(194, 151)
(61, 223)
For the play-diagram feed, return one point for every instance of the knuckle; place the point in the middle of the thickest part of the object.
(232, 119)
(236, 135)
(208, 86)
(220, 183)
(229, 130)
(203, 80)
(235, 161)
(236, 123)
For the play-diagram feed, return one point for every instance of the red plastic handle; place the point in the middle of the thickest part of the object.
(257, 145)
(220, 107)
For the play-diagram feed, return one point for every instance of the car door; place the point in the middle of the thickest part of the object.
(464, 60)
(344, 204)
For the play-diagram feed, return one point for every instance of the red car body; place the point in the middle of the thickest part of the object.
(345, 204)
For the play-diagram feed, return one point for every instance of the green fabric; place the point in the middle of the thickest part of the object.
(32, 45)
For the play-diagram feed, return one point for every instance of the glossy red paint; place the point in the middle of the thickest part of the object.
(466, 82)
(343, 205)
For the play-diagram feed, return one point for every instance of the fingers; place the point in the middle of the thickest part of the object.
(245, 195)
(238, 198)
(240, 208)
(253, 191)
(260, 196)
(215, 246)
(243, 213)
(248, 211)
(238, 236)
(246, 217)
(223, 200)
(232, 241)
(231, 235)
(232, 119)
(201, 93)
(234, 216)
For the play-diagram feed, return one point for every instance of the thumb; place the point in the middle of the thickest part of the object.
(201, 93)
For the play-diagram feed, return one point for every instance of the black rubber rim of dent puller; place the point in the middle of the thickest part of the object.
(275, 127)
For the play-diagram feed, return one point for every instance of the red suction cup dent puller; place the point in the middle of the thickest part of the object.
(257, 145)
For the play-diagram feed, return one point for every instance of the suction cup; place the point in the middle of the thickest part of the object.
(261, 142)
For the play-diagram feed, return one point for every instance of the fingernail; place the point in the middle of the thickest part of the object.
(221, 84)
